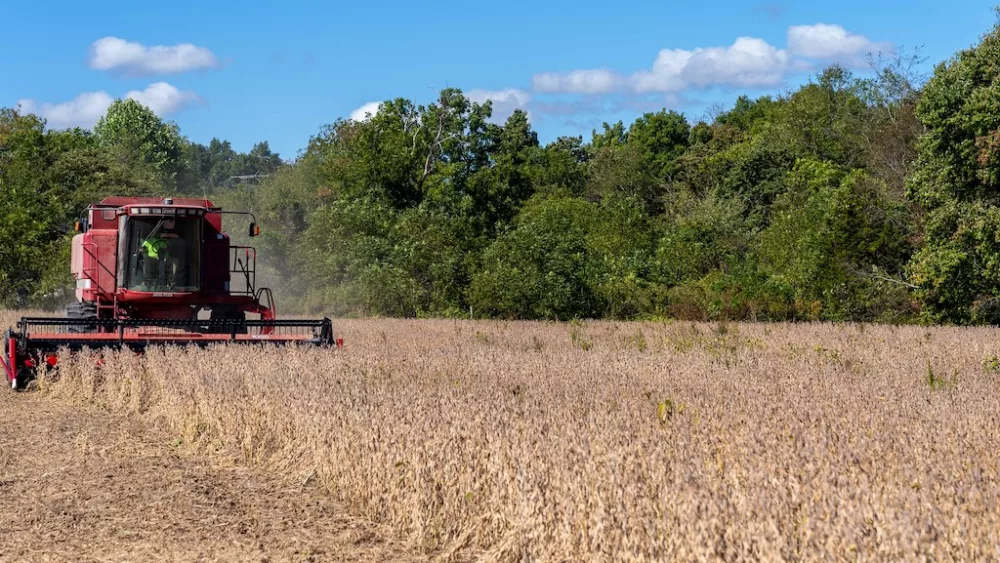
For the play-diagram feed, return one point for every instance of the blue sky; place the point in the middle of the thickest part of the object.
(279, 71)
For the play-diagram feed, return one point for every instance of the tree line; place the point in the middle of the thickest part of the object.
(852, 198)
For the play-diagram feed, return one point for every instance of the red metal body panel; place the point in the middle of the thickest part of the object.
(97, 265)
(216, 258)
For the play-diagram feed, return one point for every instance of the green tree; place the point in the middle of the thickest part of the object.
(661, 138)
(409, 198)
(140, 136)
(26, 229)
(835, 244)
(46, 179)
(957, 182)
(623, 170)
(747, 113)
(538, 270)
(620, 253)
(611, 135)
(560, 168)
(699, 235)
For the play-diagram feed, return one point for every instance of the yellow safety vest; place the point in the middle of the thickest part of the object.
(154, 246)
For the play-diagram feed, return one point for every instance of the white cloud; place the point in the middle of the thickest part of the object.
(831, 42)
(365, 112)
(82, 111)
(748, 62)
(85, 109)
(163, 98)
(666, 73)
(112, 53)
(589, 81)
(504, 101)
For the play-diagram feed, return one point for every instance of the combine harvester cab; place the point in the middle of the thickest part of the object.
(152, 271)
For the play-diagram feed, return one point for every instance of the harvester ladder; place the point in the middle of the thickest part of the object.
(92, 273)
(104, 305)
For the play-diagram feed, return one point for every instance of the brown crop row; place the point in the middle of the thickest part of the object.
(609, 441)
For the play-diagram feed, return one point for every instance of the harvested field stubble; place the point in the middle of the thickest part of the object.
(599, 441)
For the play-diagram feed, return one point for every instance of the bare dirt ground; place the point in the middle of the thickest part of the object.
(81, 485)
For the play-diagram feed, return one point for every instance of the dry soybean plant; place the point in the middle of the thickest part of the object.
(679, 441)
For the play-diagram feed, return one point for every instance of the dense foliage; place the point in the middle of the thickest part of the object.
(851, 198)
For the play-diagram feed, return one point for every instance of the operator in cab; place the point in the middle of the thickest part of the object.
(163, 265)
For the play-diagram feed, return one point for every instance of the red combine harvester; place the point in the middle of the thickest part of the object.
(154, 271)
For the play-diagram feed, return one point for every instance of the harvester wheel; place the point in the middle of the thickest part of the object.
(81, 310)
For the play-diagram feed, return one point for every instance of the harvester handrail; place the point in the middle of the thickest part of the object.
(247, 269)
